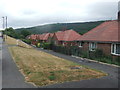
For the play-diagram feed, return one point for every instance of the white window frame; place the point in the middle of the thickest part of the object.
(91, 46)
(55, 42)
(114, 53)
(80, 44)
(63, 43)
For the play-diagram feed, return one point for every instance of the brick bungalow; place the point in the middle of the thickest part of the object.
(65, 38)
(104, 37)
(33, 38)
(43, 37)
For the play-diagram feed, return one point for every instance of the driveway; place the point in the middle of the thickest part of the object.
(11, 76)
(110, 81)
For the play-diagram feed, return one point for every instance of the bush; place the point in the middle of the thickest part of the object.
(51, 77)
(85, 54)
(98, 53)
(46, 45)
(38, 45)
(117, 61)
(26, 41)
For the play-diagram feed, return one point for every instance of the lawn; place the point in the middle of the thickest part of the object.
(12, 41)
(42, 68)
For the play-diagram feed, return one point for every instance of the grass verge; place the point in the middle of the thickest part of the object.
(42, 68)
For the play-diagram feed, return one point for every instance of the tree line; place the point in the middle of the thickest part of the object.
(18, 35)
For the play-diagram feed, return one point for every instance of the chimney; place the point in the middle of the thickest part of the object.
(119, 16)
(119, 11)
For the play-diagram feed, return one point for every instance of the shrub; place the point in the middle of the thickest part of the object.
(51, 77)
(98, 53)
(46, 45)
(117, 61)
(26, 41)
(85, 54)
(38, 45)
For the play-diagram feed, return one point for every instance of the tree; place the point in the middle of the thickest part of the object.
(25, 33)
(11, 32)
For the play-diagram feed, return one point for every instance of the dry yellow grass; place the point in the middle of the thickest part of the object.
(12, 41)
(39, 67)
(42, 68)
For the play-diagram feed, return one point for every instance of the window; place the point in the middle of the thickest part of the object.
(92, 46)
(80, 44)
(63, 43)
(115, 49)
(55, 42)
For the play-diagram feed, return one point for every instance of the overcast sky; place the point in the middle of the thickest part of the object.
(25, 13)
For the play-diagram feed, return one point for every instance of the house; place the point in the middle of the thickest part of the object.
(65, 38)
(35, 38)
(46, 37)
(43, 37)
(119, 16)
(106, 37)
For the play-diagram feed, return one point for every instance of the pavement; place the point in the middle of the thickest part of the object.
(110, 81)
(11, 76)
(0, 63)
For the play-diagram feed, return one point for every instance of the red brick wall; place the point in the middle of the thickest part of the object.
(106, 47)
(54, 39)
(85, 46)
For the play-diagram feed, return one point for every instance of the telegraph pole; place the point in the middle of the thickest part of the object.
(3, 23)
(6, 22)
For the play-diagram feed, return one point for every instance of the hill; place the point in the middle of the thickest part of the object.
(81, 27)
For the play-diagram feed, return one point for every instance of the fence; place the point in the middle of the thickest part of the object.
(97, 55)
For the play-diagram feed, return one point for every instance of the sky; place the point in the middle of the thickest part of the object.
(28, 13)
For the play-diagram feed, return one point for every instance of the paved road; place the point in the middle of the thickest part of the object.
(110, 81)
(11, 77)
(0, 63)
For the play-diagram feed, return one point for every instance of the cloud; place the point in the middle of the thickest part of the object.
(24, 13)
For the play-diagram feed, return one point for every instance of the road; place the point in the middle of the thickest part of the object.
(0, 63)
(11, 76)
(110, 81)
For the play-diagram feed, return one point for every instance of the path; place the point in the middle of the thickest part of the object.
(0, 63)
(11, 76)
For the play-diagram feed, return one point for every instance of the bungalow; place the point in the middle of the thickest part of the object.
(43, 37)
(33, 38)
(106, 37)
(65, 38)
(46, 37)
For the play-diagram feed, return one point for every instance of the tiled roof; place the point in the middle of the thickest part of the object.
(51, 34)
(46, 35)
(43, 36)
(105, 32)
(68, 35)
(33, 36)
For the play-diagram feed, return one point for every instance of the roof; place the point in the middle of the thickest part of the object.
(105, 32)
(51, 34)
(68, 35)
(33, 36)
(44, 36)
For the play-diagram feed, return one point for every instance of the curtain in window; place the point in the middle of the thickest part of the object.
(117, 48)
